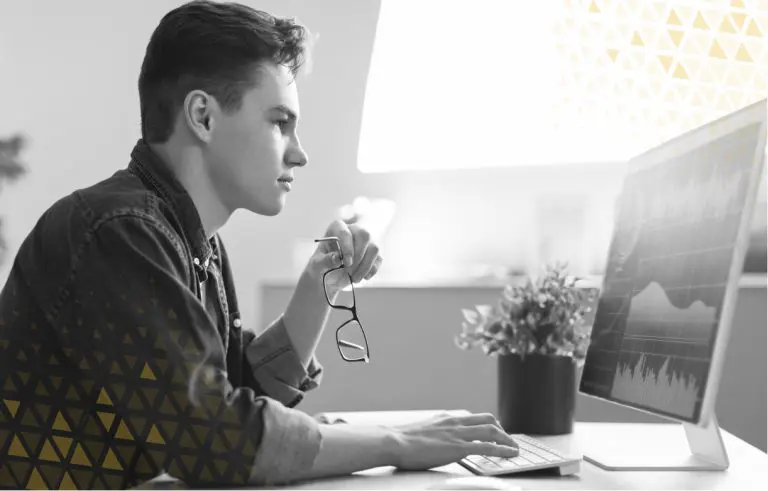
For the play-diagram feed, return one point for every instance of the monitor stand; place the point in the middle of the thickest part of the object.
(654, 447)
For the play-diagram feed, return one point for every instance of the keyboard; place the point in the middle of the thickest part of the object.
(534, 455)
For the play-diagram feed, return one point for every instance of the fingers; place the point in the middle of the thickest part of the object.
(361, 240)
(368, 261)
(487, 433)
(491, 449)
(331, 260)
(374, 269)
(340, 230)
(477, 419)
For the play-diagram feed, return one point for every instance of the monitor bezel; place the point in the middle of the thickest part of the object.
(755, 113)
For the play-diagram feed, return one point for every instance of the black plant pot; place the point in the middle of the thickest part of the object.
(537, 394)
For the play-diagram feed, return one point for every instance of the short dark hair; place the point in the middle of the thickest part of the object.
(215, 47)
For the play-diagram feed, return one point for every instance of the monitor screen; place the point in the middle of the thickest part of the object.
(669, 266)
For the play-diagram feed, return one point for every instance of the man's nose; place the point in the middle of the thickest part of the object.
(297, 158)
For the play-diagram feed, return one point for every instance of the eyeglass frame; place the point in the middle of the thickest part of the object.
(367, 357)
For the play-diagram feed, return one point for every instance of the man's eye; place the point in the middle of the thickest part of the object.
(282, 123)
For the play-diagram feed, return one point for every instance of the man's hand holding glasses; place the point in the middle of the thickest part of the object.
(344, 257)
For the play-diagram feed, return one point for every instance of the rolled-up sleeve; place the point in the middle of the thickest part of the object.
(277, 368)
(290, 443)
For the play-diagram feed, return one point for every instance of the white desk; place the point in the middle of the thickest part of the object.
(748, 468)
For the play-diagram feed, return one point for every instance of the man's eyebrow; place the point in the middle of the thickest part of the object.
(288, 111)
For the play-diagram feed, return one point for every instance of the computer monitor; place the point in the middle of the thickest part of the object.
(663, 319)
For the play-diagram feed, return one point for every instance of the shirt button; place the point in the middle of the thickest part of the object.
(196, 261)
(207, 262)
(237, 322)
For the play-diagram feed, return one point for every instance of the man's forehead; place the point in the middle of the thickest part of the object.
(276, 88)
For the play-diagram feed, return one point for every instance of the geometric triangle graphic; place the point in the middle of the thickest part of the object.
(106, 420)
(716, 51)
(51, 474)
(111, 462)
(135, 403)
(104, 398)
(727, 27)
(145, 465)
(20, 471)
(32, 441)
(233, 436)
(72, 394)
(123, 432)
(743, 55)
(56, 381)
(115, 368)
(151, 395)
(17, 449)
(753, 29)
(206, 475)
(673, 19)
(12, 406)
(29, 418)
(75, 415)
(676, 36)
(189, 462)
(187, 441)
(43, 412)
(36, 481)
(147, 373)
(60, 423)
(48, 453)
(67, 482)
(81, 478)
(9, 386)
(738, 20)
(700, 23)
(63, 443)
(125, 453)
(201, 433)
(155, 437)
(79, 457)
(169, 430)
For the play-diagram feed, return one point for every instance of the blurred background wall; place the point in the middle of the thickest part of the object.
(70, 70)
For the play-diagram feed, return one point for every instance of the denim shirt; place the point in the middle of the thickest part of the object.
(122, 352)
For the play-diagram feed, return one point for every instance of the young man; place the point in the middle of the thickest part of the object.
(123, 355)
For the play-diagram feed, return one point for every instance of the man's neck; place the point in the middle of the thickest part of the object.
(187, 165)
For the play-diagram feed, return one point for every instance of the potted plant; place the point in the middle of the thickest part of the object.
(538, 332)
(10, 169)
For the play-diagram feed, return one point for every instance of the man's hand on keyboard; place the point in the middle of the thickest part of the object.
(444, 439)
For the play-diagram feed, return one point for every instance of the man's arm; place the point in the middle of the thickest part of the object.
(306, 315)
(307, 312)
(153, 360)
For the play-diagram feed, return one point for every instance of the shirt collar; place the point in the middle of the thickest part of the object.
(156, 174)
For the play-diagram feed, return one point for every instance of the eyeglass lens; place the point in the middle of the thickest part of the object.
(339, 280)
(351, 341)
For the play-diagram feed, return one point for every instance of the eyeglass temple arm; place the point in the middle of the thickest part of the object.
(338, 245)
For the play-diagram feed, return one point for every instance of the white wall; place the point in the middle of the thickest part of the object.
(68, 76)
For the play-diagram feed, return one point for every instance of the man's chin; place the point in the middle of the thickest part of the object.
(268, 209)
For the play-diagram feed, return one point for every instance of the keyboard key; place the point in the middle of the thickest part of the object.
(478, 460)
(521, 461)
(535, 458)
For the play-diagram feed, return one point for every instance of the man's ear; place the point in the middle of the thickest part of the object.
(198, 110)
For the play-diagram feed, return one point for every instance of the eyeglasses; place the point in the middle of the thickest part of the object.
(350, 336)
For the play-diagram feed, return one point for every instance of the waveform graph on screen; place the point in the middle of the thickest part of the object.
(668, 269)
(665, 349)
(675, 393)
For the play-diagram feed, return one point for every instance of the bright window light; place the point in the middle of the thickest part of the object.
(506, 83)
